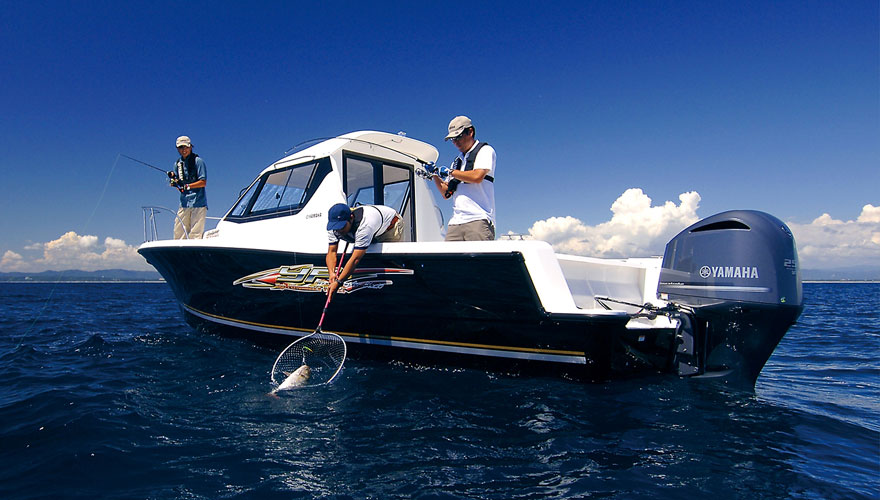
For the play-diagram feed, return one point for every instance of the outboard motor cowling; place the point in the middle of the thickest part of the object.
(741, 255)
(738, 273)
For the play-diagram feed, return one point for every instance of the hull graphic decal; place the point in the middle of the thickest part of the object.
(310, 278)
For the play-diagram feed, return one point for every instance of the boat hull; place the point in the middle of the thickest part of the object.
(467, 310)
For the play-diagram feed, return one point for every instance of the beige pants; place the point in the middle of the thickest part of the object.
(478, 230)
(191, 222)
(393, 233)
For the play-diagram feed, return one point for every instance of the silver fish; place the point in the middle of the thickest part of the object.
(299, 377)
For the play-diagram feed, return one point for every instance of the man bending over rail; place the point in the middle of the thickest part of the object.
(361, 225)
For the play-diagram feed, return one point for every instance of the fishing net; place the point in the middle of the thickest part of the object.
(323, 353)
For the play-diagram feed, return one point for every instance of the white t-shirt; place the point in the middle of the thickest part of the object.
(376, 220)
(472, 202)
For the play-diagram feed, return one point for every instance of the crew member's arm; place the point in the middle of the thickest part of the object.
(331, 261)
(351, 265)
(349, 268)
(441, 186)
(202, 173)
(471, 177)
(474, 176)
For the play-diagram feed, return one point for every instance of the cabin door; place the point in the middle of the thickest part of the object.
(373, 181)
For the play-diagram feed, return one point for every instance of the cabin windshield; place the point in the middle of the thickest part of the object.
(280, 192)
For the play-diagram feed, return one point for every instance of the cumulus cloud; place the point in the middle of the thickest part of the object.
(74, 251)
(870, 213)
(636, 228)
(12, 261)
(827, 242)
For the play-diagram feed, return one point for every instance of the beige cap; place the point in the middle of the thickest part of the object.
(457, 126)
(184, 141)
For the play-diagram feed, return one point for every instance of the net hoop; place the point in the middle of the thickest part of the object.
(323, 352)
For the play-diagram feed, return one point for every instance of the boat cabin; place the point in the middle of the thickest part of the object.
(288, 201)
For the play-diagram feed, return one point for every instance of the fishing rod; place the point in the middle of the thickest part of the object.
(371, 143)
(175, 180)
(147, 164)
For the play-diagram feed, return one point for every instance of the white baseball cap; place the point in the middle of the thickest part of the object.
(457, 126)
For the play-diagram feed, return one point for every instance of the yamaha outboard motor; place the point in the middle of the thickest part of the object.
(737, 277)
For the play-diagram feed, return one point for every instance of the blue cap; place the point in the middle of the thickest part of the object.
(338, 216)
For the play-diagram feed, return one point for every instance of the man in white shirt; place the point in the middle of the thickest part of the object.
(470, 184)
(361, 226)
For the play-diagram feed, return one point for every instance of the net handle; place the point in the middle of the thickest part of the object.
(318, 329)
(329, 294)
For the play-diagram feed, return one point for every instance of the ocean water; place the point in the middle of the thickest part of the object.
(106, 393)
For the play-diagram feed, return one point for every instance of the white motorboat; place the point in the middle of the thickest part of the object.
(715, 305)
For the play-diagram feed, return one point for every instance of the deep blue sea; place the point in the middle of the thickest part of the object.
(106, 393)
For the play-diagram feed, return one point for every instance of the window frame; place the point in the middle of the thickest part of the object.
(379, 165)
(321, 167)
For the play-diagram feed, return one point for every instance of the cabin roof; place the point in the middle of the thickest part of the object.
(380, 144)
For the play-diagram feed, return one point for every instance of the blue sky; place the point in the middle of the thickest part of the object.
(772, 106)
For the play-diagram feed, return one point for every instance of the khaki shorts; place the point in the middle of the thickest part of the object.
(478, 230)
(393, 233)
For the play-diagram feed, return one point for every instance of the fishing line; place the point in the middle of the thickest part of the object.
(107, 183)
(85, 229)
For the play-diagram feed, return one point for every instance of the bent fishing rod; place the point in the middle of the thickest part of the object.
(147, 164)
(422, 162)
(175, 180)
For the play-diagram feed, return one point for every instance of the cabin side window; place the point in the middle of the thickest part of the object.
(372, 181)
(396, 188)
(281, 192)
(359, 182)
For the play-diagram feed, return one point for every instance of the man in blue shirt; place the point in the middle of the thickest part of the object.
(191, 181)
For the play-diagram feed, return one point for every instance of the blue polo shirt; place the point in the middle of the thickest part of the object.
(196, 197)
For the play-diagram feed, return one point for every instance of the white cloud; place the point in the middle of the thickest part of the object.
(12, 261)
(73, 251)
(636, 228)
(870, 213)
(828, 243)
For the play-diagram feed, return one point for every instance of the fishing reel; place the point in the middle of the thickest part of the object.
(176, 182)
(429, 170)
(421, 172)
